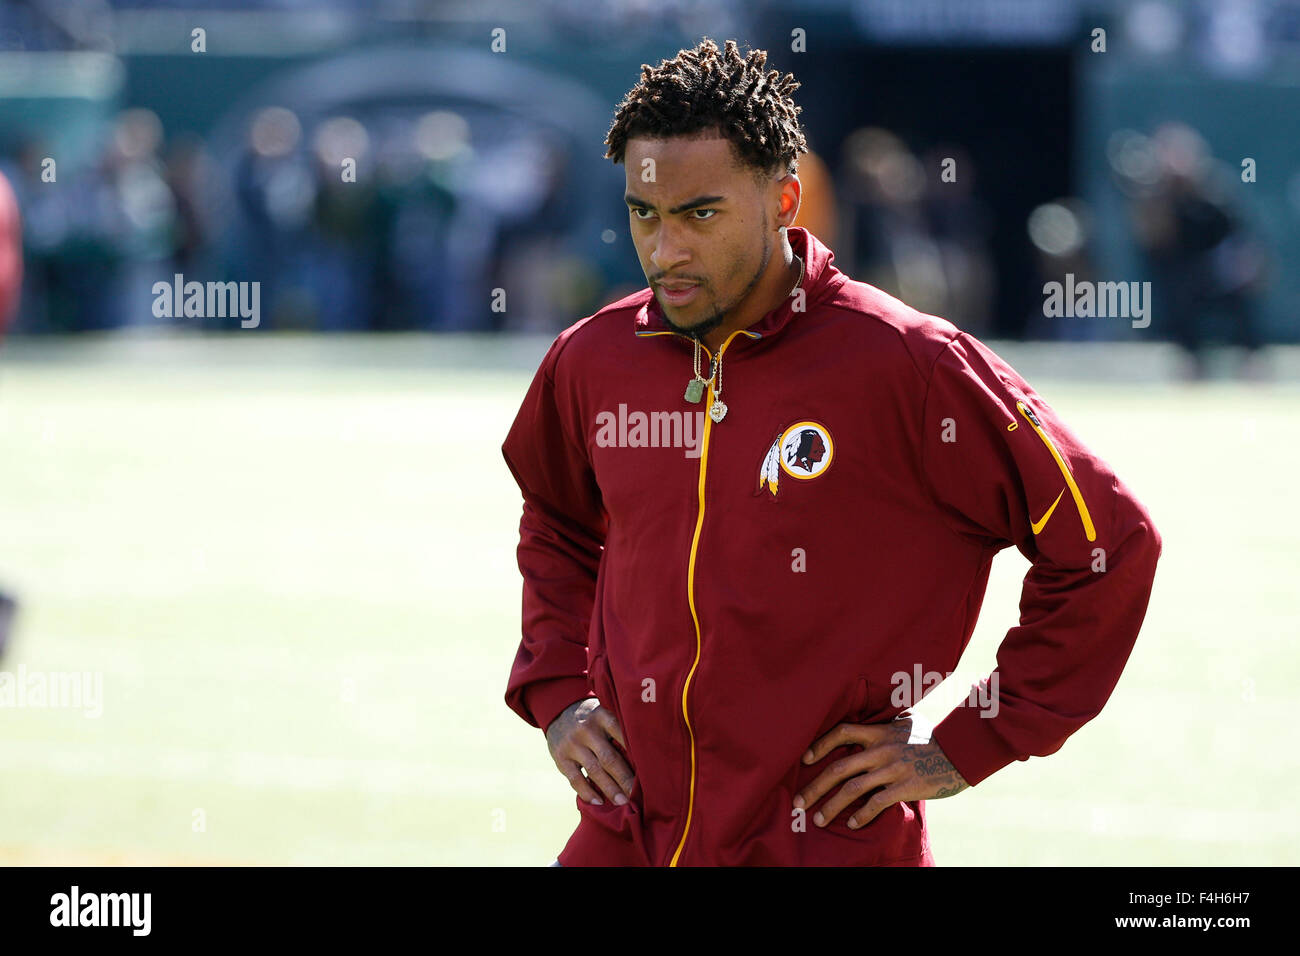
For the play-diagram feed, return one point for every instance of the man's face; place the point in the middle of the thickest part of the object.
(699, 221)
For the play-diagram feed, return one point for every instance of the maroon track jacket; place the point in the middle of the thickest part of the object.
(733, 590)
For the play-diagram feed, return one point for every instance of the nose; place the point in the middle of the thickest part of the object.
(669, 253)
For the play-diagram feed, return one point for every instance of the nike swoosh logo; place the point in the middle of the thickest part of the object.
(1089, 531)
(1038, 526)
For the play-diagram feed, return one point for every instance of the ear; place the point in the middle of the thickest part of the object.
(788, 206)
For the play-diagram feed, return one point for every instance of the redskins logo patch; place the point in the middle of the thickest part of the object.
(803, 451)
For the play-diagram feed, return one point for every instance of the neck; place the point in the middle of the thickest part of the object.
(769, 293)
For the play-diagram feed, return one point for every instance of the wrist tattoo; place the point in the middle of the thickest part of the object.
(932, 766)
(940, 766)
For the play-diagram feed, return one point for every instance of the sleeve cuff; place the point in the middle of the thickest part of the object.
(546, 700)
(972, 744)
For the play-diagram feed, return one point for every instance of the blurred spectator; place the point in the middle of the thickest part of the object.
(275, 190)
(140, 218)
(339, 259)
(424, 179)
(96, 238)
(918, 237)
(1059, 232)
(190, 176)
(69, 243)
(1206, 265)
(961, 225)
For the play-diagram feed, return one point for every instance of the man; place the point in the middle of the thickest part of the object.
(724, 580)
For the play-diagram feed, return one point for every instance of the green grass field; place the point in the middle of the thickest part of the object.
(292, 561)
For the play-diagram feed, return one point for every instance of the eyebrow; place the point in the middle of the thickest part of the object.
(684, 207)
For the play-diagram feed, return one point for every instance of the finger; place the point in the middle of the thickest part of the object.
(573, 773)
(841, 736)
(613, 764)
(597, 775)
(837, 772)
(853, 790)
(609, 723)
(882, 801)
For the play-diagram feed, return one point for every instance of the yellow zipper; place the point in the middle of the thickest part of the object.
(1088, 528)
(690, 595)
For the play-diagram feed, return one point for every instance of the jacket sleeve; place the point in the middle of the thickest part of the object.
(561, 537)
(1005, 470)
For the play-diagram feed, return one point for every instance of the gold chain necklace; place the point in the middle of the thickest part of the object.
(695, 387)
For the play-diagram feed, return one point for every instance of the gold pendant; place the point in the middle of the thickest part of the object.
(718, 411)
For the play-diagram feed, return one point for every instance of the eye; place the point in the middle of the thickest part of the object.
(711, 212)
(640, 209)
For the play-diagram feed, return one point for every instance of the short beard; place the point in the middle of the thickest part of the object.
(701, 329)
(719, 316)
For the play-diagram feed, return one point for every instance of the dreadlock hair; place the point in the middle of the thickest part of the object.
(707, 89)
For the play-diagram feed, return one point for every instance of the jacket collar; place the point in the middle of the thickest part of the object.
(820, 280)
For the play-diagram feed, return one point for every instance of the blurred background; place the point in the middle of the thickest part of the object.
(252, 530)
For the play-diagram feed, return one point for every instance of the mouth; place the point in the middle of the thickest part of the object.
(679, 293)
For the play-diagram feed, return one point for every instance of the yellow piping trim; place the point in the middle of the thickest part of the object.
(1088, 528)
(640, 334)
(690, 597)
